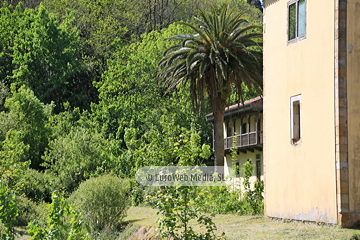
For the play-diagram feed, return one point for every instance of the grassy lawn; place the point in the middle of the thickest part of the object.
(252, 227)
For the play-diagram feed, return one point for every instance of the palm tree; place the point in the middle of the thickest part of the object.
(225, 52)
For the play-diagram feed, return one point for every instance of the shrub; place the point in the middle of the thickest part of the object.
(103, 201)
(30, 211)
(140, 193)
(177, 206)
(8, 213)
(356, 236)
(36, 185)
(253, 197)
(63, 222)
(75, 157)
(220, 200)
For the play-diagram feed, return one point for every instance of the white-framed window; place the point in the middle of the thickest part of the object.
(295, 118)
(296, 20)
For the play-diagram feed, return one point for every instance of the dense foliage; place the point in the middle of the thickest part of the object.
(63, 222)
(9, 212)
(43, 54)
(81, 97)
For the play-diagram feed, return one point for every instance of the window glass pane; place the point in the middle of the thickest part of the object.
(296, 120)
(292, 21)
(301, 18)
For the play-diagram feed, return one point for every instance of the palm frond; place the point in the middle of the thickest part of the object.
(224, 50)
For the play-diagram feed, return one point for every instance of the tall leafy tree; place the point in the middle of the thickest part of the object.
(9, 29)
(225, 52)
(25, 121)
(99, 23)
(45, 56)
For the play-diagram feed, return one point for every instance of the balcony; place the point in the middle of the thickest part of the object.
(244, 142)
(243, 126)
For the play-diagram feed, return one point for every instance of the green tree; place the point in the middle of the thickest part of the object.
(150, 15)
(99, 24)
(12, 164)
(4, 93)
(29, 117)
(9, 212)
(224, 52)
(38, 51)
(130, 94)
(9, 28)
(257, 3)
(45, 56)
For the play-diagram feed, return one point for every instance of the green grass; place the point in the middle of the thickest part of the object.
(252, 227)
(243, 227)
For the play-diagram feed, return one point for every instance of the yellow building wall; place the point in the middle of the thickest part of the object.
(353, 89)
(300, 181)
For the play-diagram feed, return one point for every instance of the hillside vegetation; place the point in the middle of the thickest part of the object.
(81, 103)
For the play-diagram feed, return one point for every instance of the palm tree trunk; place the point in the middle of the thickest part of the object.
(218, 112)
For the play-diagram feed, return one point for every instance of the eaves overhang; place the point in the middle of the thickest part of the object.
(252, 105)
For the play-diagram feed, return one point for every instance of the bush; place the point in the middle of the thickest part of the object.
(30, 211)
(9, 212)
(140, 193)
(177, 206)
(220, 200)
(36, 185)
(254, 196)
(63, 222)
(103, 201)
(75, 157)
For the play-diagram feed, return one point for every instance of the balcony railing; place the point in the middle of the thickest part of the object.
(243, 140)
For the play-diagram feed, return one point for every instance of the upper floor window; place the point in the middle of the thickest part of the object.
(296, 20)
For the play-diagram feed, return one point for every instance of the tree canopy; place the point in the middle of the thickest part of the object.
(43, 54)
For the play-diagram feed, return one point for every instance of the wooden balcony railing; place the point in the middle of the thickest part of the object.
(243, 140)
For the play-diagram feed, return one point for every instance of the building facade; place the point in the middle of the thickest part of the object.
(243, 130)
(311, 110)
